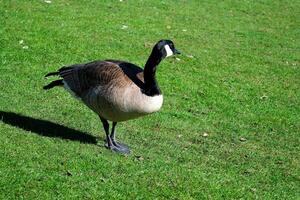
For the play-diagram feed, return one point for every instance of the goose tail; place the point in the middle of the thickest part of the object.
(52, 74)
(54, 84)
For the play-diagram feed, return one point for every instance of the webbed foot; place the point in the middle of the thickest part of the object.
(118, 147)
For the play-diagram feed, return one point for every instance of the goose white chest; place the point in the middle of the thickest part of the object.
(146, 104)
(123, 103)
(134, 101)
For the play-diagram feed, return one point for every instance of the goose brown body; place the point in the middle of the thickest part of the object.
(113, 89)
(116, 90)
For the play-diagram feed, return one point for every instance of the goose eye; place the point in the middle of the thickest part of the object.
(172, 46)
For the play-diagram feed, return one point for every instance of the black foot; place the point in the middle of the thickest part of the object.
(121, 145)
(123, 149)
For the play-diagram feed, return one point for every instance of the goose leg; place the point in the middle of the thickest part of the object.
(106, 129)
(113, 139)
(110, 144)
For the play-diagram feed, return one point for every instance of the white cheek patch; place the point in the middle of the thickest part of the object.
(168, 50)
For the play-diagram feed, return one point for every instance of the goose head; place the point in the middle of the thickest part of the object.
(164, 48)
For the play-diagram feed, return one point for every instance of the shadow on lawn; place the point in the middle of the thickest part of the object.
(45, 128)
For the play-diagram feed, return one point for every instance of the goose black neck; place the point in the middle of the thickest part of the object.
(151, 85)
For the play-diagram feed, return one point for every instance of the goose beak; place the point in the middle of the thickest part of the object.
(176, 51)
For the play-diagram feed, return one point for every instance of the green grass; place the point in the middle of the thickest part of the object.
(238, 77)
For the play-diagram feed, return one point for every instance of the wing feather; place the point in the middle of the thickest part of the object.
(83, 77)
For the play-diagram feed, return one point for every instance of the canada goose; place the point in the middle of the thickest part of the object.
(116, 90)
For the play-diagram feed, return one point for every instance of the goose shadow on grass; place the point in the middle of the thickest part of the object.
(46, 128)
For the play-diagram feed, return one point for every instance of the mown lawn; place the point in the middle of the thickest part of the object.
(229, 127)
